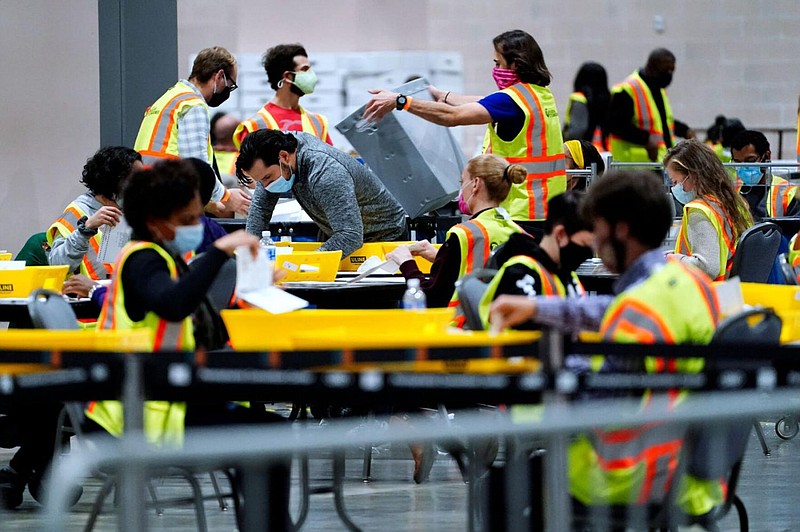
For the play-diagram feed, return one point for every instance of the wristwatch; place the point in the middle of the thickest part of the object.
(401, 102)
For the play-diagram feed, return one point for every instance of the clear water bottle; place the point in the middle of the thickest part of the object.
(268, 245)
(414, 297)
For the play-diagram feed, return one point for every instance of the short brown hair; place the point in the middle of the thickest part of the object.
(209, 61)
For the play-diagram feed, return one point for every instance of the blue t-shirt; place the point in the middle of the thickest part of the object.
(505, 113)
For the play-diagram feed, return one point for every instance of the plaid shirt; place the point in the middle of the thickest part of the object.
(194, 128)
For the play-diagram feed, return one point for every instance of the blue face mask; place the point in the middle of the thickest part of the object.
(281, 185)
(187, 238)
(683, 196)
(750, 175)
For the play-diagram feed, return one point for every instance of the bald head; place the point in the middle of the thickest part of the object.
(222, 130)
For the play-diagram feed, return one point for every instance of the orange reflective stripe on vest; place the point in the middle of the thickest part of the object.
(165, 125)
(66, 224)
(478, 245)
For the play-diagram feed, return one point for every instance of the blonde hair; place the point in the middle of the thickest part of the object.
(497, 174)
(209, 61)
(694, 159)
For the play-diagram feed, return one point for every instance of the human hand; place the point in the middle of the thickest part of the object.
(382, 103)
(106, 215)
(424, 249)
(230, 242)
(438, 94)
(507, 311)
(238, 201)
(79, 285)
(218, 210)
(400, 254)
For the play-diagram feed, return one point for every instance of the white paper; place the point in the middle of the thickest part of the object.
(274, 300)
(729, 295)
(114, 239)
(252, 274)
(12, 264)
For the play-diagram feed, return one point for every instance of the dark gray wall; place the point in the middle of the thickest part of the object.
(138, 62)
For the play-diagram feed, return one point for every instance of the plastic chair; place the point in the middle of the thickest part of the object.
(755, 253)
(789, 275)
(470, 289)
(751, 327)
(49, 310)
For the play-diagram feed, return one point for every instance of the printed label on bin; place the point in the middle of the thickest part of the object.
(7, 287)
(291, 266)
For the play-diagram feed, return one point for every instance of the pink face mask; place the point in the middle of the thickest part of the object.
(504, 77)
(462, 204)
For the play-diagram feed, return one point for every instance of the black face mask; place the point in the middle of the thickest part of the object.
(573, 255)
(663, 80)
(218, 98)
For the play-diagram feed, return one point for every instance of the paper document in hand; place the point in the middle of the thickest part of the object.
(114, 239)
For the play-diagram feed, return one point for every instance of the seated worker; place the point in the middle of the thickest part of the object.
(74, 238)
(485, 183)
(767, 195)
(580, 155)
(546, 268)
(83, 286)
(153, 289)
(290, 75)
(658, 300)
(714, 215)
(345, 199)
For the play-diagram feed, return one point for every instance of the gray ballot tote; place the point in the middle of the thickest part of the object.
(418, 161)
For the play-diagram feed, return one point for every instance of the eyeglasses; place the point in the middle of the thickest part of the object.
(233, 86)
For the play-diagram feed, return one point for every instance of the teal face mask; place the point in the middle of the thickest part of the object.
(750, 175)
(683, 196)
(281, 185)
(305, 81)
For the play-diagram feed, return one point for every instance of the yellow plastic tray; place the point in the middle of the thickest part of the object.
(258, 330)
(79, 340)
(398, 339)
(309, 265)
(300, 246)
(775, 296)
(351, 262)
(5, 256)
(20, 283)
(483, 366)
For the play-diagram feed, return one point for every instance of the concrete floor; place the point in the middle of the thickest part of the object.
(392, 502)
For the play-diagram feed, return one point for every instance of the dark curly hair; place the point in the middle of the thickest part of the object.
(105, 172)
(280, 59)
(156, 193)
(264, 144)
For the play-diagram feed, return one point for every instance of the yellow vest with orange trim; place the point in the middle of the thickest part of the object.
(646, 117)
(312, 123)
(549, 284)
(477, 238)
(781, 194)
(711, 209)
(675, 305)
(163, 421)
(158, 133)
(226, 161)
(539, 147)
(597, 134)
(91, 266)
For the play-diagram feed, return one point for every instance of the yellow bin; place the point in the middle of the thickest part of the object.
(20, 283)
(258, 330)
(5, 256)
(309, 265)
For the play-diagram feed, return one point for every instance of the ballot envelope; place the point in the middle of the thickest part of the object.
(418, 161)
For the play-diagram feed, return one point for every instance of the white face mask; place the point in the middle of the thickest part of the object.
(187, 238)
